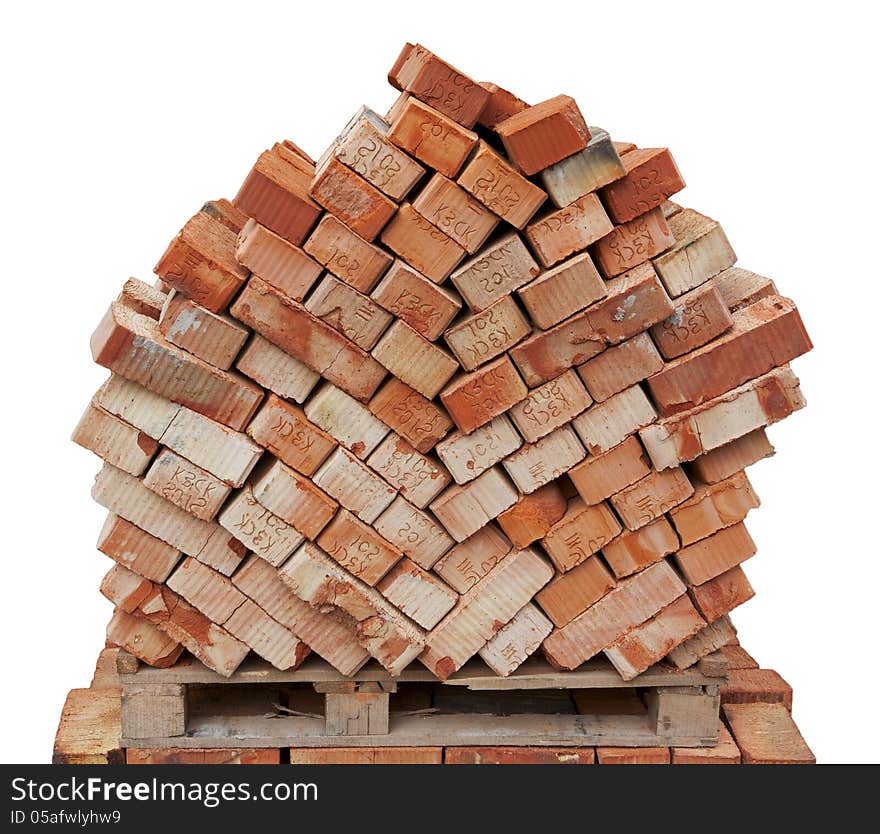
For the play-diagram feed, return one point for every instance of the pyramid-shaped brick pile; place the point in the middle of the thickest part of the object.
(470, 384)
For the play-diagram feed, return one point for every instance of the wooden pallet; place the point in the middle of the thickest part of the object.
(188, 705)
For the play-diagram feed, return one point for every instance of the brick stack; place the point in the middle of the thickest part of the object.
(468, 384)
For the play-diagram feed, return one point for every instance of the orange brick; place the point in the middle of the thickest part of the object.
(766, 734)
(345, 419)
(563, 232)
(562, 291)
(532, 516)
(580, 533)
(277, 261)
(136, 549)
(423, 246)
(348, 196)
(418, 479)
(545, 355)
(756, 686)
(738, 658)
(571, 593)
(142, 639)
(713, 507)
(475, 398)
(455, 213)
(504, 191)
(358, 548)
(543, 134)
(584, 172)
(601, 476)
(633, 601)
(651, 641)
(432, 138)
(704, 560)
(224, 212)
(203, 756)
(732, 457)
(501, 267)
(411, 415)
(364, 148)
(519, 755)
(632, 243)
(719, 596)
(425, 307)
(766, 334)
(276, 195)
(414, 532)
(420, 595)
(347, 311)
(216, 339)
(293, 498)
(501, 105)
(186, 485)
(284, 430)
(634, 550)
(276, 370)
(620, 367)
(130, 345)
(652, 496)
(550, 406)
(725, 752)
(438, 83)
(366, 755)
(347, 255)
(477, 338)
(469, 561)
(700, 316)
(259, 529)
(200, 262)
(632, 755)
(421, 364)
(651, 177)
(291, 327)
(623, 147)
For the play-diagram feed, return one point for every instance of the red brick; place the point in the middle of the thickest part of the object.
(632, 243)
(756, 686)
(277, 261)
(632, 755)
(501, 105)
(455, 212)
(550, 406)
(366, 755)
(358, 548)
(581, 532)
(655, 494)
(224, 212)
(558, 234)
(601, 476)
(562, 291)
(434, 81)
(732, 457)
(130, 345)
(480, 337)
(766, 734)
(432, 138)
(203, 756)
(725, 752)
(200, 263)
(533, 515)
(571, 593)
(348, 196)
(291, 327)
(719, 596)
(504, 191)
(519, 755)
(423, 246)
(474, 399)
(543, 134)
(713, 507)
(634, 550)
(411, 415)
(620, 367)
(765, 335)
(651, 177)
(276, 195)
(347, 255)
(700, 316)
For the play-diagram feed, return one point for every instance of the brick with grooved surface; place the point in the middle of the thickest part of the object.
(562, 291)
(713, 507)
(417, 593)
(620, 367)
(345, 419)
(418, 479)
(556, 235)
(467, 456)
(293, 497)
(651, 497)
(536, 464)
(421, 244)
(413, 532)
(532, 516)
(766, 734)
(634, 550)
(581, 532)
(600, 476)
(421, 364)
(651, 177)
(704, 560)
(354, 485)
(478, 338)
(411, 415)
(276, 370)
(732, 457)
(719, 596)
(216, 339)
(346, 254)
(463, 510)
(584, 172)
(602, 426)
(114, 440)
(572, 593)
(633, 243)
(474, 399)
(700, 316)
(468, 562)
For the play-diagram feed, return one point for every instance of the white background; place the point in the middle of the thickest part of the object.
(121, 119)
